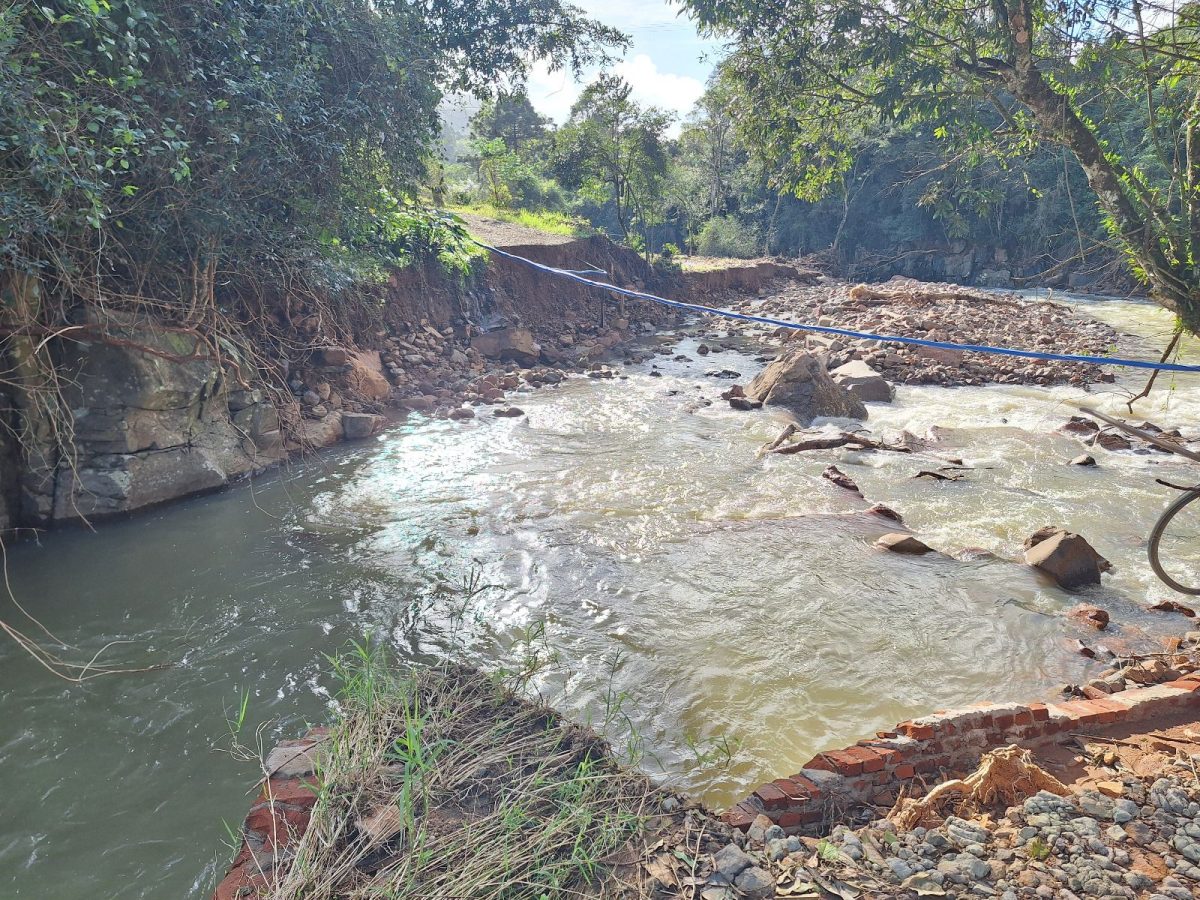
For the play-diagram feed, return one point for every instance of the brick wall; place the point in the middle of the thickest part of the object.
(832, 786)
(278, 819)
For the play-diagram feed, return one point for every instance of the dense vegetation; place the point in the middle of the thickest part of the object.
(900, 139)
(211, 157)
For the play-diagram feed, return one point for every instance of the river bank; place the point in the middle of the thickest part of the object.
(444, 783)
(614, 509)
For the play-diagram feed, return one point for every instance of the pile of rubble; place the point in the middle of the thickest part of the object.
(947, 313)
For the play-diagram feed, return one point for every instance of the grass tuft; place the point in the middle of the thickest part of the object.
(442, 783)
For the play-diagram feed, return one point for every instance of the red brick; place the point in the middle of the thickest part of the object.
(741, 817)
(1041, 712)
(806, 785)
(278, 822)
(790, 819)
(241, 883)
(812, 817)
(844, 763)
(904, 771)
(1023, 717)
(821, 762)
(294, 791)
(772, 797)
(793, 791)
(916, 732)
(1003, 721)
(889, 755)
(870, 759)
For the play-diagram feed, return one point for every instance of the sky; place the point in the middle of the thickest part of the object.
(667, 64)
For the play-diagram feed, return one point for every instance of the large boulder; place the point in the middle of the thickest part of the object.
(153, 420)
(512, 344)
(1066, 557)
(864, 381)
(799, 382)
(365, 376)
(358, 426)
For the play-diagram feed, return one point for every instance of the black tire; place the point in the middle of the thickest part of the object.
(1160, 528)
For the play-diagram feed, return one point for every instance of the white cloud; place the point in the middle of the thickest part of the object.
(553, 93)
(674, 93)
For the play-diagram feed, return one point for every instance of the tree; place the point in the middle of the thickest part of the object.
(146, 147)
(614, 150)
(1002, 76)
(510, 117)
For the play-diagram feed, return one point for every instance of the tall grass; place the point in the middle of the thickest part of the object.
(441, 783)
(539, 220)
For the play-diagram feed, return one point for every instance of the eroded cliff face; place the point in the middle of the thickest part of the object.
(141, 422)
(143, 415)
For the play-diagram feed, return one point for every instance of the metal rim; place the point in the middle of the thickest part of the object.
(1156, 537)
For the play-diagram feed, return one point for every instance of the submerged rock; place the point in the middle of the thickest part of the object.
(1066, 557)
(1090, 615)
(799, 382)
(867, 384)
(841, 479)
(903, 543)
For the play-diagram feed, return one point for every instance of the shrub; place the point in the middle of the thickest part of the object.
(726, 236)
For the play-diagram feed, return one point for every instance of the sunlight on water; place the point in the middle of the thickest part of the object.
(697, 597)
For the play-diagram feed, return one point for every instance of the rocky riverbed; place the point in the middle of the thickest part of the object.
(935, 312)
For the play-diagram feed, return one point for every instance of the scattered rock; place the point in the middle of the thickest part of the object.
(864, 381)
(731, 861)
(903, 543)
(509, 412)
(755, 884)
(1066, 557)
(1083, 460)
(461, 414)
(745, 404)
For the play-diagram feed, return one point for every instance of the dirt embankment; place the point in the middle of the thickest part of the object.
(151, 425)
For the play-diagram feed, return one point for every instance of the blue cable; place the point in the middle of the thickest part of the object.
(845, 332)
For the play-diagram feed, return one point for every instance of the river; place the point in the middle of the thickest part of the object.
(724, 617)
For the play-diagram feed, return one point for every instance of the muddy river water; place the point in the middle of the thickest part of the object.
(720, 615)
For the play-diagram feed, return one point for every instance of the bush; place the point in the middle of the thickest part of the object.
(727, 237)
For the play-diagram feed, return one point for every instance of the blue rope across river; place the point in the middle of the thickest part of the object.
(845, 332)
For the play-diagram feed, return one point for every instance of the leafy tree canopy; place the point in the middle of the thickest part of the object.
(184, 150)
(997, 76)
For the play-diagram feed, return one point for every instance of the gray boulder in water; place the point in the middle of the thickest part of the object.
(800, 383)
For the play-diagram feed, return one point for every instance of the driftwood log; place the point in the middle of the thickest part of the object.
(831, 442)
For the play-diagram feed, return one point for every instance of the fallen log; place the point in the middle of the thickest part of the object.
(832, 442)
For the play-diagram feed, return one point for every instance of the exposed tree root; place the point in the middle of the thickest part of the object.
(1005, 777)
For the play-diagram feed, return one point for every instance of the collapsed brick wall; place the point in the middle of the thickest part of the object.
(834, 785)
(278, 819)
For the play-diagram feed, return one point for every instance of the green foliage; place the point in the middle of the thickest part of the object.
(143, 143)
(997, 80)
(613, 150)
(725, 236)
